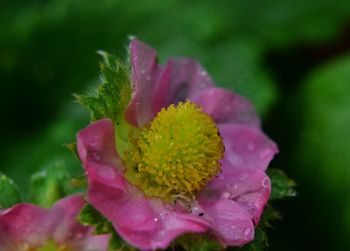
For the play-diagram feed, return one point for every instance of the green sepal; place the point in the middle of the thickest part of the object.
(198, 242)
(49, 184)
(111, 98)
(118, 244)
(282, 186)
(89, 216)
(9, 194)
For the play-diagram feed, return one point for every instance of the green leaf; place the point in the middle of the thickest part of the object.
(118, 244)
(9, 194)
(282, 186)
(199, 242)
(112, 97)
(49, 185)
(114, 93)
(89, 216)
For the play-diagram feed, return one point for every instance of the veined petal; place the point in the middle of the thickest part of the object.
(228, 220)
(145, 73)
(156, 86)
(227, 107)
(181, 78)
(246, 147)
(250, 188)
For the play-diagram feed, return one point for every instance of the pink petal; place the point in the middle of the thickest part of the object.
(227, 107)
(246, 147)
(230, 222)
(145, 72)
(24, 224)
(182, 78)
(250, 188)
(96, 147)
(64, 214)
(69, 232)
(156, 86)
(145, 223)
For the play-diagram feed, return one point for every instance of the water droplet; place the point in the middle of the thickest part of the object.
(163, 215)
(106, 173)
(203, 73)
(225, 195)
(155, 219)
(143, 71)
(246, 231)
(251, 146)
(266, 182)
(234, 159)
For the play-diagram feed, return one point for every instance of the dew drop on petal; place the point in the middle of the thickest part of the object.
(266, 182)
(246, 231)
(203, 73)
(225, 195)
(107, 173)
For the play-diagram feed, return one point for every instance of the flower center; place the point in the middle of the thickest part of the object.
(177, 154)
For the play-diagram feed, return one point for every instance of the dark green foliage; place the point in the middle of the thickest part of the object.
(282, 186)
(9, 194)
(198, 242)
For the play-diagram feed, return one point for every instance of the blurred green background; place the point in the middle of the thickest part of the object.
(290, 58)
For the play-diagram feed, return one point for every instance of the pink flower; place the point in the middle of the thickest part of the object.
(229, 206)
(26, 227)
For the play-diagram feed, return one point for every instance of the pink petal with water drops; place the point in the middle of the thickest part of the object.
(24, 225)
(145, 223)
(227, 107)
(246, 147)
(250, 188)
(96, 147)
(229, 221)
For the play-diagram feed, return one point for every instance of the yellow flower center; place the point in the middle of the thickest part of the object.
(177, 154)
